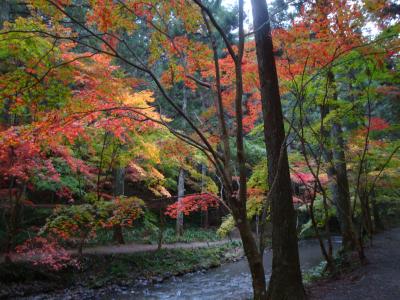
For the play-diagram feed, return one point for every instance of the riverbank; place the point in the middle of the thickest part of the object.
(102, 273)
(378, 279)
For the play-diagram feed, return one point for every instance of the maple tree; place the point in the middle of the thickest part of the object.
(191, 203)
(44, 136)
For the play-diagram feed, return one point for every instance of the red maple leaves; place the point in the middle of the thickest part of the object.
(192, 203)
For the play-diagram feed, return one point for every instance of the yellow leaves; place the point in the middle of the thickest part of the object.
(156, 174)
(151, 152)
(138, 99)
(159, 190)
(149, 174)
(374, 5)
(140, 102)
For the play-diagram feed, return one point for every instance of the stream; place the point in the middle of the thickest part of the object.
(230, 281)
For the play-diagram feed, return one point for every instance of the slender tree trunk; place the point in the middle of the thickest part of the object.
(251, 251)
(160, 230)
(286, 279)
(237, 202)
(100, 166)
(327, 254)
(5, 11)
(337, 171)
(5, 15)
(366, 213)
(14, 220)
(119, 181)
(342, 198)
(181, 193)
(82, 241)
(181, 178)
(118, 235)
(378, 224)
(119, 189)
(205, 212)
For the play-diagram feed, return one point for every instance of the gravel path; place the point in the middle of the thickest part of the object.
(377, 280)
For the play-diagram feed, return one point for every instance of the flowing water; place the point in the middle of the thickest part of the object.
(230, 281)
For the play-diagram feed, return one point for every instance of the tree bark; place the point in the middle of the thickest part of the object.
(378, 224)
(286, 279)
(342, 197)
(343, 210)
(205, 212)
(161, 231)
(181, 178)
(237, 203)
(5, 11)
(5, 15)
(252, 254)
(181, 193)
(119, 189)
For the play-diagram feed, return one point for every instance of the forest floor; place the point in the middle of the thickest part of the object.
(379, 279)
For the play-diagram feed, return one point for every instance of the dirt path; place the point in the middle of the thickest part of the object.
(133, 247)
(378, 280)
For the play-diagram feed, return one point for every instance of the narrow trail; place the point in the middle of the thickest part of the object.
(377, 280)
(132, 248)
(135, 247)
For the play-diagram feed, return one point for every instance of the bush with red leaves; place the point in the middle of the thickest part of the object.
(46, 252)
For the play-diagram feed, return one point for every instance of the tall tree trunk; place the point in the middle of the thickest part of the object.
(5, 11)
(251, 250)
(252, 253)
(342, 199)
(161, 228)
(181, 178)
(181, 193)
(286, 280)
(343, 210)
(119, 189)
(378, 224)
(14, 219)
(366, 213)
(5, 15)
(237, 202)
(205, 212)
(335, 157)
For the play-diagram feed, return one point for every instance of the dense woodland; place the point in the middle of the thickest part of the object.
(142, 121)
